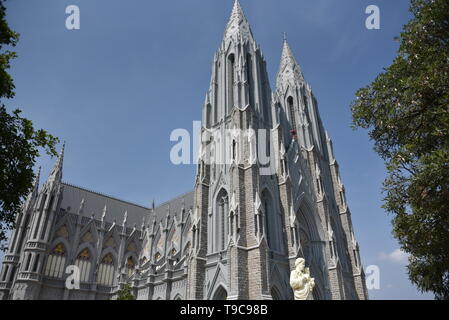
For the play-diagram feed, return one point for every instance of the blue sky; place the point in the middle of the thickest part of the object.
(115, 89)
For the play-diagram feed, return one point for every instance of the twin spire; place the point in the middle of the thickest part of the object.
(289, 69)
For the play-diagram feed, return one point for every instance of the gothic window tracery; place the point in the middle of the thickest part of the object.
(56, 262)
(291, 111)
(106, 270)
(83, 262)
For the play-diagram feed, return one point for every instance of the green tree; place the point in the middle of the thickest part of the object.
(125, 293)
(19, 141)
(406, 110)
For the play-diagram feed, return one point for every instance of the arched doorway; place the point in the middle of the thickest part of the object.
(220, 294)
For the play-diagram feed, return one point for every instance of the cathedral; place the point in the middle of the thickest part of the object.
(267, 191)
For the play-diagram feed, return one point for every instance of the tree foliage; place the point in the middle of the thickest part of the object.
(125, 293)
(406, 110)
(19, 141)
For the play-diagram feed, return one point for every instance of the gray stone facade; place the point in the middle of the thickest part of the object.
(236, 235)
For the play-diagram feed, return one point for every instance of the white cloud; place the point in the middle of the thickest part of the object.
(397, 256)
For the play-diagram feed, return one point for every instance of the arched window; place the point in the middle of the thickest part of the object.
(28, 262)
(56, 262)
(230, 104)
(234, 150)
(23, 234)
(36, 226)
(83, 262)
(106, 271)
(208, 115)
(5, 272)
(249, 77)
(272, 221)
(220, 221)
(36, 262)
(291, 110)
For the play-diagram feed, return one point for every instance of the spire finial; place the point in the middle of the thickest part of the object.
(285, 36)
(81, 209)
(125, 217)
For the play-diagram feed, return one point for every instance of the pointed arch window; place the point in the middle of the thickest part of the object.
(208, 115)
(291, 110)
(249, 78)
(36, 263)
(83, 262)
(231, 63)
(219, 220)
(273, 225)
(106, 270)
(56, 262)
(5, 272)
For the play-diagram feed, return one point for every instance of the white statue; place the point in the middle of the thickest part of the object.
(301, 282)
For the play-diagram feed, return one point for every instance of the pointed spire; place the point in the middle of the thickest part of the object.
(81, 209)
(143, 224)
(238, 28)
(289, 68)
(38, 177)
(125, 217)
(36, 182)
(56, 173)
(103, 215)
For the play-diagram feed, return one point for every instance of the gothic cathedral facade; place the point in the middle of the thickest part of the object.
(267, 191)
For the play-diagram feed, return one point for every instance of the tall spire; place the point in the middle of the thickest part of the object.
(289, 68)
(238, 27)
(56, 173)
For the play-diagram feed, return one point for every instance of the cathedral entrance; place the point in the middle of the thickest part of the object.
(220, 294)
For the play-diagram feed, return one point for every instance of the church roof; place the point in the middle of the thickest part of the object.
(95, 202)
(174, 206)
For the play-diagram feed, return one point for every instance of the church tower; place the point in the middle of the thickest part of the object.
(298, 111)
(230, 257)
(29, 242)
